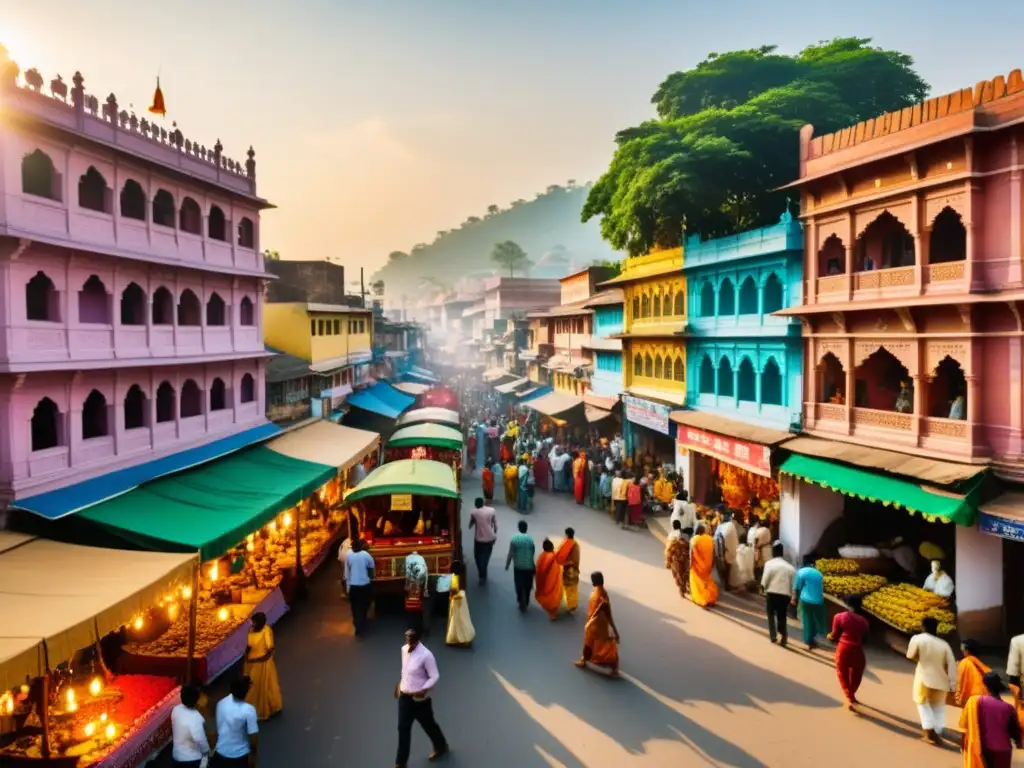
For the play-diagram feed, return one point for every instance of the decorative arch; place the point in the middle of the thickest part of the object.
(163, 306)
(680, 372)
(645, 305)
(771, 382)
(638, 365)
(93, 193)
(772, 294)
(680, 303)
(163, 209)
(189, 308)
(134, 408)
(190, 218)
(831, 380)
(947, 241)
(748, 296)
(666, 307)
(658, 366)
(901, 213)
(94, 302)
(883, 382)
(95, 416)
(217, 224)
(246, 312)
(133, 201)
(166, 403)
(725, 382)
(904, 352)
(216, 310)
(947, 390)
(707, 299)
(657, 305)
(42, 302)
(248, 389)
(832, 257)
(191, 399)
(746, 381)
(246, 233)
(46, 425)
(885, 243)
(218, 395)
(133, 305)
(648, 366)
(706, 376)
(726, 298)
(39, 176)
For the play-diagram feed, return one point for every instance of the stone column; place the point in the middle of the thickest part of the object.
(851, 384)
(973, 405)
(920, 405)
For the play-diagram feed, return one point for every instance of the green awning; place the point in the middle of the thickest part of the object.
(430, 414)
(436, 435)
(932, 503)
(213, 507)
(420, 477)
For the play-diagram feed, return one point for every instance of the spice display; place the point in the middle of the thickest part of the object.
(905, 606)
(853, 584)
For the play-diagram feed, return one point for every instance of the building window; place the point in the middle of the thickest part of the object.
(39, 177)
(46, 432)
(948, 239)
(133, 305)
(248, 393)
(191, 399)
(746, 382)
(246, 233)
(321, 327)
(93, 194)
(748, 297)
(94, 416)
(41, 299)
(312, 327)
(706, 381)
(165, 403)
(771, 383)
(215, 310)
(133, 201)
(667, 306)
(163, 209)
(772, 301)
(648, 366)
(680, 306)
(657, 366)
(680, 371)
(337, 327)
(189, 309)
(638, 365)
(725, 382)
(163, 307)
(645, 306)
(217, 224)
(246, 312)
(134, 408)
(94, 302)
(636, 307)
(726, 298)
(190, 218)
(218, 395)
(707, 300)
(657, 305)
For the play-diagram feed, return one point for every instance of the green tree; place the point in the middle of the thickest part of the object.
(511, 256)
(727, 136)
(377, 286)
(493, 210)
(397, 256)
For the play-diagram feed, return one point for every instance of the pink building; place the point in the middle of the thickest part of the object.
(130, 287)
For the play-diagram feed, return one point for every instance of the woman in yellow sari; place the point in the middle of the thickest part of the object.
(460, 626)
(548, 591)
(511, 479)
(703, 590)
(970, 674)
(568, 557)
(265, 693)
(600, 635)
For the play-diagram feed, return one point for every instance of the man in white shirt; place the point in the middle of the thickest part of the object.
(359, 567)
(727, 542)
(237, 730)
(1015, 660)
(484, 522)
(188, 731)
(777, 583)
(934, 677)
(685, 511)
(939, 582)
(419, 676)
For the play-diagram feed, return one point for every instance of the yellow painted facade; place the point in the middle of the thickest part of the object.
(653, 349)
(567, 384)
(318, 332)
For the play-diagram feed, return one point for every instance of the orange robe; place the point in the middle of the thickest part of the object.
(549, 583)
(579, 468)
(703, 589)
(971, 744)
(487, 483)
(599, 646)
(969, 674)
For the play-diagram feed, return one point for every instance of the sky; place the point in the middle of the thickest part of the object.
(377, 123)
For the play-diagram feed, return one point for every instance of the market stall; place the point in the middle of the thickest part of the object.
(557, 411)
(63, 604)
(429, 415)
(375, 408)
(436, 442)
(649, 432)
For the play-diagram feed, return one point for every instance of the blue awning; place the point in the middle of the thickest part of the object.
(368, 402)
(417, 376)
(423, 373)
(62, 502)
(391, 396)
(531, 394)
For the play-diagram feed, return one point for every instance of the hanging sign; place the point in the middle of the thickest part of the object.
(752, 457)
(401, 502)
(647, 414)
(999, 526)
(419, 452)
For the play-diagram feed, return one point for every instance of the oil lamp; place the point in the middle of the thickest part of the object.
(110, 732)
(96, 686)
(90, 729)
(222, 614)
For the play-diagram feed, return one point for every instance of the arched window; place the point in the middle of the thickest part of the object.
(246, 233)
(885, 244)
(771, 383)
(680, 371)
(248, 393)
(215, 314)
(666, 305)
(165, 403)
(41, 299)
(93, 302)
(218, 225)
(46, 426)
(657, 366)
(636, 307)
(38, 176)
(134, 408)
(668, 368)
(246, 312)
(947, 391)
(948, 239)
(883, 383)
(189, 309)
(218, 395)
(93, 194)
(832, 257)
(648, 366)
(746, 382)
(638, 365)
(725, 378)
(707, 300)
(706, 382)
(726, 298)
(832, 380)
(657, 305)
(191, 217)
(748, 296)
(645, 306)
(94, 416)
(772, 301)
(163, 307)
(191, 399)
(680, 305)
(133, 201)
(133, 305)
(163, 209)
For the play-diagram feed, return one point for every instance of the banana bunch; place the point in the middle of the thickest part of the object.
(837, 566)
(857, 584)
(905, 606)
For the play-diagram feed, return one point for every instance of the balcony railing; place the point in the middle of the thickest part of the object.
(829, 412)
(869, 417)
(881, 279)
(946, 429)
(949, 271)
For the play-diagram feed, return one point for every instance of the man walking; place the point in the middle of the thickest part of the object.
(934, 678)
(419, 676)
(237, 729)
(484, 522)
(188, 731)
(620, 487)
(809, 590)
(777, 583)
(521, 551)
(359, 567)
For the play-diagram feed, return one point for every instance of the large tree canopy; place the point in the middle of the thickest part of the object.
(727, 135)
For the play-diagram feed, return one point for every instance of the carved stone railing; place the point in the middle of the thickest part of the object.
(831, 284)
(868, 417)
(829, 412)
(950, 429)
(884, 278)
(948, 271)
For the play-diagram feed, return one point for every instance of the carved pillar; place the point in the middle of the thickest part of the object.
(1016, 268)
(923, 248)
(973, 405)
(851, 384)
(1015, 373)
(811, 261)
(920, 404)
(972, 200)
(848, 271)
(919, 265)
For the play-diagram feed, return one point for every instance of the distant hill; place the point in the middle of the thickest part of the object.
(548, 228)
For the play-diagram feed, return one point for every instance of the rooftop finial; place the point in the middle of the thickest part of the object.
(786, 217)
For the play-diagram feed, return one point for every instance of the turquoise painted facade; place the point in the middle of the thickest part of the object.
(607, 376)
(742, 362)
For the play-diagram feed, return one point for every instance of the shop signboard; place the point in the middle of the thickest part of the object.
(401, 502)
(647, 414)
(752, 457)
(1000, 526)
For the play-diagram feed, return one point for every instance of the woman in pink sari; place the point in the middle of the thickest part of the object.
(542, 470)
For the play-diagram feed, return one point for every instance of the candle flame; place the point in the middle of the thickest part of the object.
(273, 526)
(96, 686)
(103, 717)
(287, 519)
(90, 729)
(172, 611)
(215, 571)
(222, 614)
(138, 622)
(72, 706)
(110, 731)
(70, 696)
(187, 593)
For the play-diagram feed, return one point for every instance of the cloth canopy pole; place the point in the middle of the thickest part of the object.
(193, 610)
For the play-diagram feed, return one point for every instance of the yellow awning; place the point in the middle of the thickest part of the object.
(324, 442)
(68, 597)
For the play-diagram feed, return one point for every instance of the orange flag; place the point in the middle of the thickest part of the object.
(157, 107)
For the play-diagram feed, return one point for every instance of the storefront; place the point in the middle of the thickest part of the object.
(649, 432)
(603, 414)
(562, 416)
(1001, 521)
(376, 408)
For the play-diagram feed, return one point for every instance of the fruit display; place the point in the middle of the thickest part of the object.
(905, 607)
(837, 566)
(853, 584)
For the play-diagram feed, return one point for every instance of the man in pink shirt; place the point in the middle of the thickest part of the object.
(484, 522)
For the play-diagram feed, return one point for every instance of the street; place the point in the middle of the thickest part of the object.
(698, 688)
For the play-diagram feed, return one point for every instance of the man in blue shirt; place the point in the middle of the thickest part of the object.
(521, 553)
(237, 730)
(359, 567)
(809, 589)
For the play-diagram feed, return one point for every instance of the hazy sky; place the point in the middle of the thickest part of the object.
(377, 123)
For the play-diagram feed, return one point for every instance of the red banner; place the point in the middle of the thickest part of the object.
(753, 457)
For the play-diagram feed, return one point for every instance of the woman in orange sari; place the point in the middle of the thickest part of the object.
(579, 469)
(990, 727)
(970, 674)
(549, 580)
(703, 590)
(600, 635)
(487, 481)
(568, 556)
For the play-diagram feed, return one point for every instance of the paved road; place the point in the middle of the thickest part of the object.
(700, 688)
